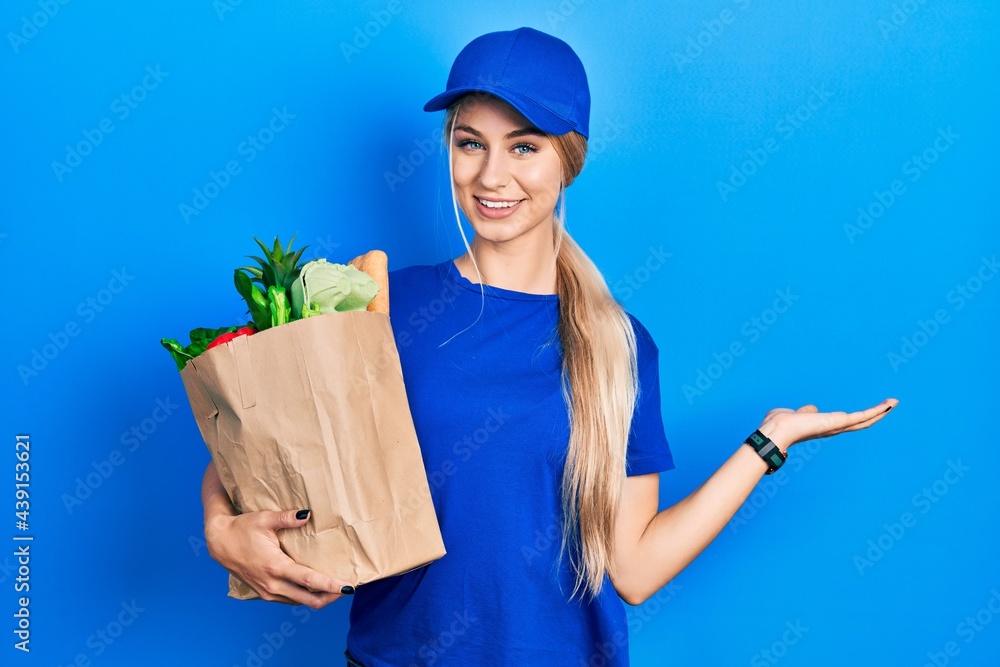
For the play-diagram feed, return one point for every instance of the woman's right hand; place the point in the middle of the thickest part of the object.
(247, 545)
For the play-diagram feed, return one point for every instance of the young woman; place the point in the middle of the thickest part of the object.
(535, 396)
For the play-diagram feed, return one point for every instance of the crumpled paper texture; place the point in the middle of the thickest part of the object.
(313, 414)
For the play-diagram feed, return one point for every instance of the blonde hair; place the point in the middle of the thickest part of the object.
(599, 382)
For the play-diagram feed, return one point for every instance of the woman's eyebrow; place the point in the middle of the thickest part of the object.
(522, 132)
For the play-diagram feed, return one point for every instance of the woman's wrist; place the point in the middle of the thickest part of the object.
(772, 432)
(218, 507)
(216, 521)
(219, 512)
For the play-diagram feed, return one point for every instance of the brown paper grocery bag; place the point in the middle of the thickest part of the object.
(313, 414)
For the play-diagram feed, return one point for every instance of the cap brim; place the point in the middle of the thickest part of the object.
(539, 116)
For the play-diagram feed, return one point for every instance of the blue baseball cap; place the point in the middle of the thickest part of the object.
(536, 73)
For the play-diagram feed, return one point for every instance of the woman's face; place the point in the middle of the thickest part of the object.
(506, 172)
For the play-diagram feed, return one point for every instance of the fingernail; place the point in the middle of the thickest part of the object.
(302, 514)
(888, 408)
(347, 590)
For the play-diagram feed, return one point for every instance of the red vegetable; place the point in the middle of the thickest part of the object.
(226, 337)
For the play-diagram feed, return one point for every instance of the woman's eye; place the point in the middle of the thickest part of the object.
(524, 149)
(471, 143)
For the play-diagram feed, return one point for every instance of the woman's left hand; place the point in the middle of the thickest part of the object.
(786, 427)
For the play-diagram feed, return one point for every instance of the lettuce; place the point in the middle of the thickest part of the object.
(322, 287)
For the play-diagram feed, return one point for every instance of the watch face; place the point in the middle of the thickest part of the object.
(757, 440)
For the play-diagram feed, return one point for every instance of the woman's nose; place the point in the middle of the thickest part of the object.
(493, 174)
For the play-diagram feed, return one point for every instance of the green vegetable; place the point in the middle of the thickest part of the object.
(200, 339)
(323, 287)
(259, 309)
(281, 310)
(278, 269)
(266, 290)
(310, 311)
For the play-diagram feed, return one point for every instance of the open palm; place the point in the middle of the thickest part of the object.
(786, 427)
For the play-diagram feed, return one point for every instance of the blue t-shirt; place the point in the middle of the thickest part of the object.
(493, 430)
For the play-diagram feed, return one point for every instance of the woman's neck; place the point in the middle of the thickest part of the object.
(532, 272)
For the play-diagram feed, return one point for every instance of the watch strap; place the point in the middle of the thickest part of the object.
(767, 450)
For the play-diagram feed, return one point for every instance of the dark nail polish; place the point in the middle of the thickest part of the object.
(888, 408)
(347, 590)
(302, 514)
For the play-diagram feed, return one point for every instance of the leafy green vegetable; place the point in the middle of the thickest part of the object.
(327, 288)
(278, 268)
(281, 310)
(266, 292)
(200, 338)
(260, 313)
(177, 351)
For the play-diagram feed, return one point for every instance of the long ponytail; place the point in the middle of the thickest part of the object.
(600, 385)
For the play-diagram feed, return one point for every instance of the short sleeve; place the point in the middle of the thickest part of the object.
(648, 449)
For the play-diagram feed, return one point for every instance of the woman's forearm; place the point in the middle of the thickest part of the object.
(673, 538)
(676, 535)
(214, 497)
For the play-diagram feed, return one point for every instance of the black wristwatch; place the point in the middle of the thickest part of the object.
(768, 451)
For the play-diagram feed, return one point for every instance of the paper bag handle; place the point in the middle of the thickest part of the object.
(244, 370)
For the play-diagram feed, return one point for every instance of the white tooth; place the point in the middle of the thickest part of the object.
(491, 204)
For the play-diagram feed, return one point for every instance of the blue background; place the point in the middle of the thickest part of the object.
(809, 112)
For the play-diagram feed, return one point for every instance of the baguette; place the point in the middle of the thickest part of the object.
(376, 264)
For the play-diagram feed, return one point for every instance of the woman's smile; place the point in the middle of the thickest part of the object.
(497, 208)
